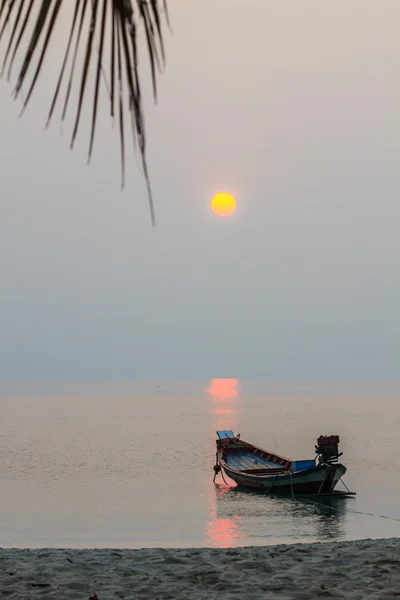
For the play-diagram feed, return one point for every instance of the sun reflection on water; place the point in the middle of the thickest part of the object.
(222, 532)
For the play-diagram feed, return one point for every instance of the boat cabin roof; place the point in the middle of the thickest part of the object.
(226, 433)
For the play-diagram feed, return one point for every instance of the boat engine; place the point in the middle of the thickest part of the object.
(328, 448)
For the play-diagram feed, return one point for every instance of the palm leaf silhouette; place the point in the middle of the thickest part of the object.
(97, 27)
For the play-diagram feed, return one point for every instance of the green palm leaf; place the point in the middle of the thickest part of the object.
(30, 26)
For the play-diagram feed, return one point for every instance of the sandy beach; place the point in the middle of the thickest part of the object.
(352, 570)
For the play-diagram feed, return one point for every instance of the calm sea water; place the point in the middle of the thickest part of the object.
(132, 466)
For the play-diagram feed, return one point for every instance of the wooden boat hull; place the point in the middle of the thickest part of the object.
(319, 480)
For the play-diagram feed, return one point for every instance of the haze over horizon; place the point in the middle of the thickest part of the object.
(292, 107)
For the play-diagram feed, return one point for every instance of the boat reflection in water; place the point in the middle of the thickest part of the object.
(329, 516)
(257, 518)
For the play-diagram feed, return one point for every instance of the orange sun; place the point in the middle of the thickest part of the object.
(223, 204)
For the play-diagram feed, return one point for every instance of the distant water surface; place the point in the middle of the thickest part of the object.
(132, 465)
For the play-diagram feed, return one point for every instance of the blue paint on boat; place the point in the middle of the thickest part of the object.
(247, 460)
(225, 433)
(301, 465)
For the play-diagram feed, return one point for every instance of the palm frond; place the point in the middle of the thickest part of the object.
(31, 24)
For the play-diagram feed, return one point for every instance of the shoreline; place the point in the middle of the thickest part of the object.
(358, 569)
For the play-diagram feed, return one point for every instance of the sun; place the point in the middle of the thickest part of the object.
(223, 204)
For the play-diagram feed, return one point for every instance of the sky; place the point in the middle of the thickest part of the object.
(291, 106)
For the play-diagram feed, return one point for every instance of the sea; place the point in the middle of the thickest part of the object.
(130, 465)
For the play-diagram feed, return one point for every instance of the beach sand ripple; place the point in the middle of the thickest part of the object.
(366, 569)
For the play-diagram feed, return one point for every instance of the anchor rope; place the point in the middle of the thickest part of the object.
(354, 512)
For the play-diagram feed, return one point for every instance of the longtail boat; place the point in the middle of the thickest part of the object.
(251, 466)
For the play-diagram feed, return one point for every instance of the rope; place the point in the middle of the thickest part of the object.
(354, 512)
(344, 485)
(270, 487)
(218, 469)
